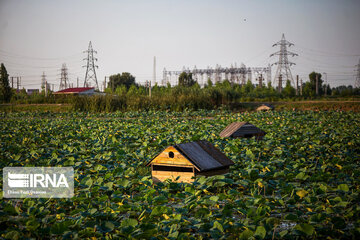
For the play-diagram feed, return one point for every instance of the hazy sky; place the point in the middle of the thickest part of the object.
(39, 36)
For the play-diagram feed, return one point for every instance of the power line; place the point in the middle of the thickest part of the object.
(14, 55)
(27, 66)
(332, 65)
(328, 54)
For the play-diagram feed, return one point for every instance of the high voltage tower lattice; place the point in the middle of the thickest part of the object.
(90, 75)
(283, 70)
(64, 79)
(357, 81)
(234, 74)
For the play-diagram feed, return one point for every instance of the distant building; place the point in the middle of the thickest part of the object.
(76, 91)
(32, 91)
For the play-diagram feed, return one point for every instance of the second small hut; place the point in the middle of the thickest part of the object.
(242, 130)
(265, 107)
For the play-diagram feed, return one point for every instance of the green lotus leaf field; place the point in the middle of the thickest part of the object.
(301, 181)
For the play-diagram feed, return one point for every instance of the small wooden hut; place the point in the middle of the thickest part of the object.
(265, 107)
(188, 160)
(242, 130)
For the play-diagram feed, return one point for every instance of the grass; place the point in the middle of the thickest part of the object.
(35, 107)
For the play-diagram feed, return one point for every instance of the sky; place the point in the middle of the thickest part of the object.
(40, 35)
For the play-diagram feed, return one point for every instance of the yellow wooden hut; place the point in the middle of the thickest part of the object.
(242, 130)
(188, 160)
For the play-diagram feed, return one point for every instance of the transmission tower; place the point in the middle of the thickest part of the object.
(64, 77)
(90, 75)
(357, 81)
(283, 68)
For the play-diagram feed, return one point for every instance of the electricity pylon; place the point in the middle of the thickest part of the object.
(90, 68)
(284, 64)
(64, 77)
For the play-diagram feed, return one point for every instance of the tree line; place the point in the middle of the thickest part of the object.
(119, 84)
(123, 93)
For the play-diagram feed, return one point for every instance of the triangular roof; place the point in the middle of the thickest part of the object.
(238, 127)
(203, 155)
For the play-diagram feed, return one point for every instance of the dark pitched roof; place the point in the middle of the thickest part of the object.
(231, 128)
(236, 129)
(203, 155)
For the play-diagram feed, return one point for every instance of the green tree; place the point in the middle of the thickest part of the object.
(308, 90)
(133, 91)
(249, 87)
(186, 80)
(209, 83)
(312, 78)
(328, 89)
(5, 89)
(289, 91)
(121, 79)
(121, 90)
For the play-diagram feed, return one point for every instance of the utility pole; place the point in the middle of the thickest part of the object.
(46, 88)
(150, 88)
(105, 84)
(317, 84)
(297, 85)
(280, 84)
(43, 81)
(18, 82)
(283, 62)
(268, 74)
(260, 81)
(301, 86)
(357, 81)
(90, 67)
(325, 83)
(154, 72)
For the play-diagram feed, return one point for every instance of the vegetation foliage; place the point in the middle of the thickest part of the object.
(301, 181)
(189, 95)
(5, 89)
(122, 93)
